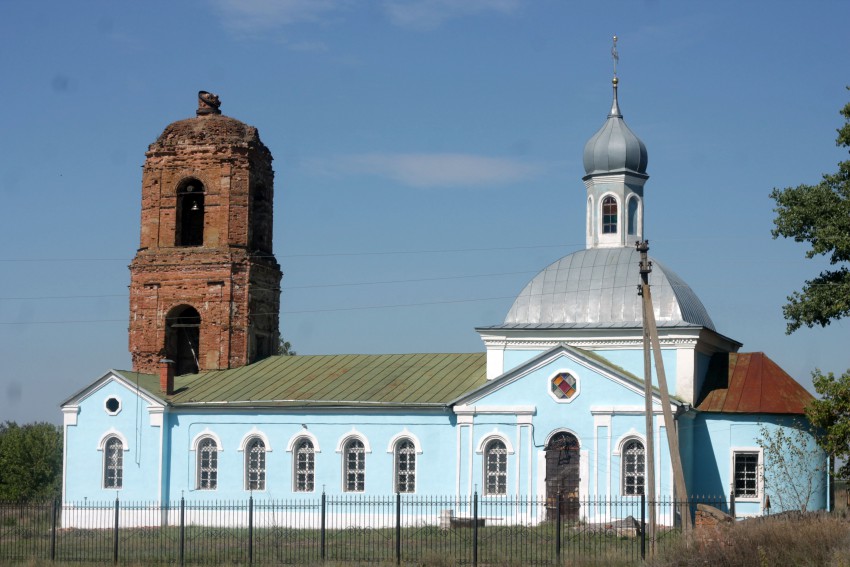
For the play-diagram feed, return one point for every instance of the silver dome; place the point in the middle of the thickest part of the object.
(615, 148)
(598, 288)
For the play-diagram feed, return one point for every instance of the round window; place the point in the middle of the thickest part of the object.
(113, 405)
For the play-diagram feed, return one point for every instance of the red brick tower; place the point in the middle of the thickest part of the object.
(204, 285)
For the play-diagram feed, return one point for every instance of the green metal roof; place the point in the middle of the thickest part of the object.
(329, 380)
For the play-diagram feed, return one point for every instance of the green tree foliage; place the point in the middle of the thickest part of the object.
(285, 348)
(831, 414)
(30, 461)
(794, 468)
(820, 215)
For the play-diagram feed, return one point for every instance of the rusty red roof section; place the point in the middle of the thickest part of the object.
(749, 382)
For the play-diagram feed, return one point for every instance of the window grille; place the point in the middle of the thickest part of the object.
(746, 475)
(496, 468)
(255, 465)
(305, 464)
(207, 464)
(405, 466)
(634, 468)
(355, 466)
(113, 466)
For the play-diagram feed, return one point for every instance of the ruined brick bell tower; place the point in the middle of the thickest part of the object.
(204, 285)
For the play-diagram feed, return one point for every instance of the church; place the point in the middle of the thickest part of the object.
(552, 405)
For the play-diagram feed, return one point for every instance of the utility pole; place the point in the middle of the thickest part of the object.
(649, 460)
(650, 329)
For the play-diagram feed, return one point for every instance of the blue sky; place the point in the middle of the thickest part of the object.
(427, 158)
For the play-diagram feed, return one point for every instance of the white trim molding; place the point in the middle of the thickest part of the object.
(628, 435)
(207, 433)
(405, 434)
(303, 434)
(495, 434)
(115, 397)
(255, 433)
(112, 432)
(356, 435)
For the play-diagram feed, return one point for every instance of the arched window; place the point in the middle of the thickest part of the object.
(305, 465)
(634, 467)
(207, 456)
(190, 214)
(609, 215)
(113, 463)
(260, 218)
(633, 216)
(182, 338)
(255, 464)
(405, 466)
(589, 222)
(354, 462)
(495, 467)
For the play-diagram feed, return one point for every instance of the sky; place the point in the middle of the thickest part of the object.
(427, 158)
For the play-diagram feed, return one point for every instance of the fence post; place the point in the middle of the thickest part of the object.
(182, 544)
(53, 530)
(475, 529)
(642, 526)
(558, 528)
(732, 502)
(251, 530)
(324, 504)
(115, 535)
(398, 528)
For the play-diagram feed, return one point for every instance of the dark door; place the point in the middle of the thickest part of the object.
(562, 476)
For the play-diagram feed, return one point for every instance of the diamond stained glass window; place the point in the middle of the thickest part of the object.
(564, 386)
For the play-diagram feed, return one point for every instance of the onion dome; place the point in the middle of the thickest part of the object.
(598, 288)
(614, 148)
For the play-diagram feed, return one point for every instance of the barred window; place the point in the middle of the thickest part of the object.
(255, 464)
(634, 468)
(609, 215)
(354, 454)
(113, 463)
(405, 466)
(746, 475)
(305, 466)
(207, 464)
(495, 468)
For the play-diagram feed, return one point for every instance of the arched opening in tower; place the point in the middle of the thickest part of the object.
(182, 338)
(190, 214)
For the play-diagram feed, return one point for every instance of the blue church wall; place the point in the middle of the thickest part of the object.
(515, 357)
(720, 436)
(84, 446)
(434, 432)
(632, 360)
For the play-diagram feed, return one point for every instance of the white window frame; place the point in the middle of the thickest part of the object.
(199, 459)
(551, 377)
(106, 457)
(345, 470)
(622, 452)
(311, 462)
(759, 473)
(261, 483)
(396, 462)
(116, 398)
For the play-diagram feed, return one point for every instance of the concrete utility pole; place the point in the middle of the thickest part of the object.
(651, 331)
(649, 458)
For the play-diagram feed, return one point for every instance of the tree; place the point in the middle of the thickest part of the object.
(285, 348)
(793, 468)
(820, 215)
(30, 461)
(831, 415)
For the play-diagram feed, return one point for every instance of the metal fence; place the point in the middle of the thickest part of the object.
(396, 528)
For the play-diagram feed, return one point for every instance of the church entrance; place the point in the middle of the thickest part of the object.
(182, 335)
(562, 477)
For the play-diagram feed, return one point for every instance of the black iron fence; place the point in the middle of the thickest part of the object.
(474, 530)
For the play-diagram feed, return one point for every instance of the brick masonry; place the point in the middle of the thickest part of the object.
(232, 278)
